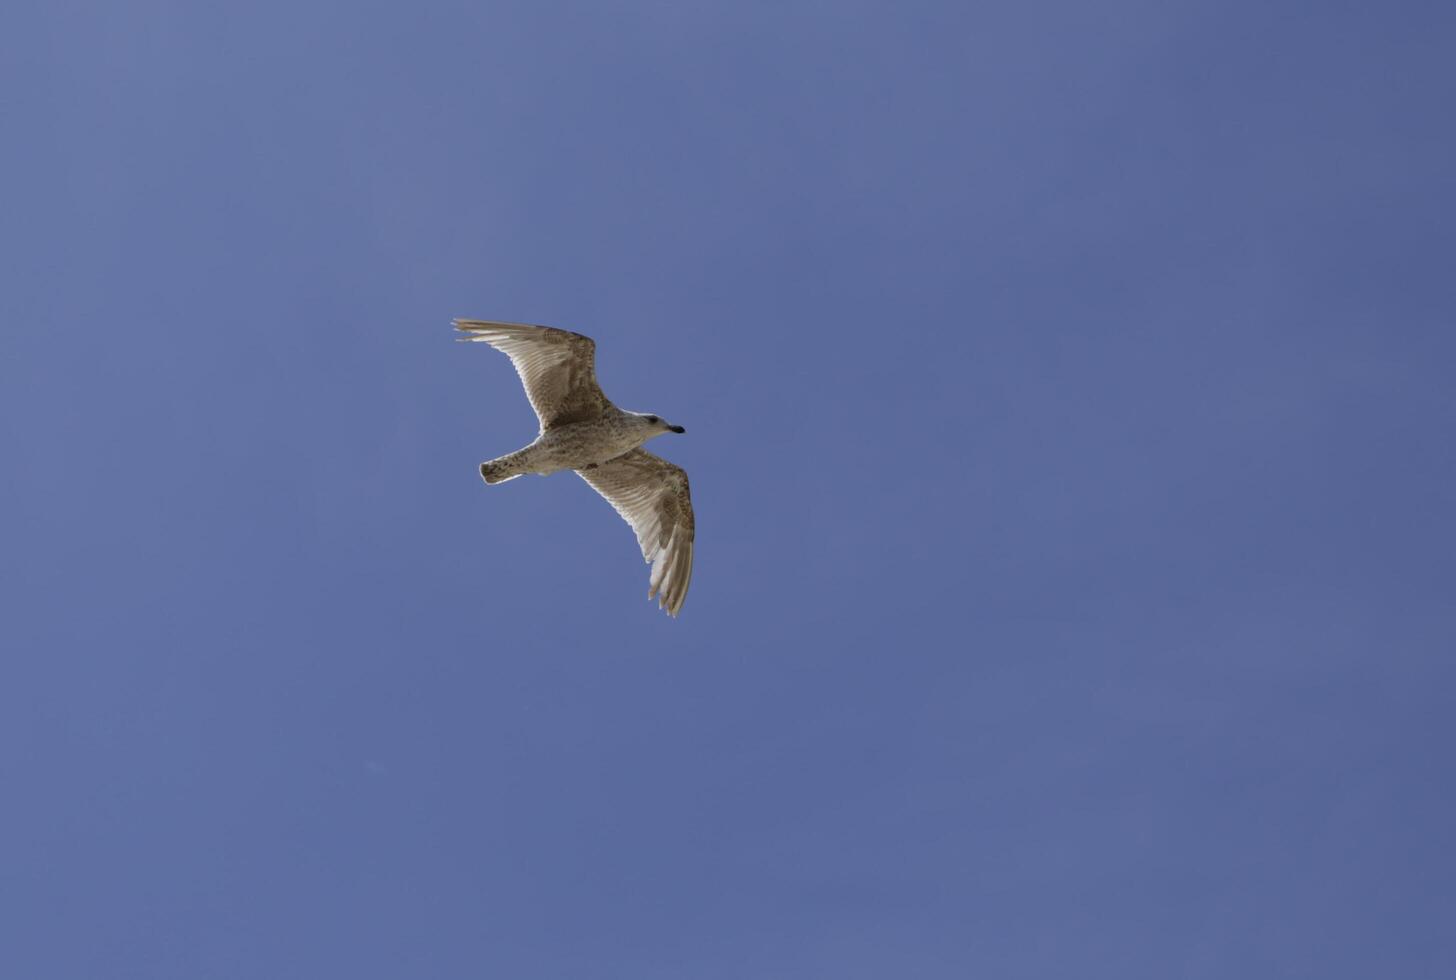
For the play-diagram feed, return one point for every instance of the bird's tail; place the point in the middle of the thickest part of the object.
(499, 470)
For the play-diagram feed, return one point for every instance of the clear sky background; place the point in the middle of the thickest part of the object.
(1070, 393)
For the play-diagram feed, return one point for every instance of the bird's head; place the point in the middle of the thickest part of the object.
(656, 425)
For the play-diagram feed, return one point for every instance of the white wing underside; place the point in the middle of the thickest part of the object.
(557, 368)
(652, 496)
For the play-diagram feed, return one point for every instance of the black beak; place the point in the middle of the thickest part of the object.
(677, 428)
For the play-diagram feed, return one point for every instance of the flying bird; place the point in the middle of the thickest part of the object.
(581, 430)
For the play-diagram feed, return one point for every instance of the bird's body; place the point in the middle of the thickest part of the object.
(581, 430)
(573, 446)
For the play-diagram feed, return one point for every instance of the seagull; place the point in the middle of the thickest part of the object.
(581, 430)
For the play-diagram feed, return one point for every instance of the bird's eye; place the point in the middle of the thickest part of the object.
(653, 419)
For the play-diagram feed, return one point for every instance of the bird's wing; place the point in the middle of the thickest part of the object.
(557, 368)
(651, 494)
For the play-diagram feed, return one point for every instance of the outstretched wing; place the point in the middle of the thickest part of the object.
(557, 368)
(651, 494)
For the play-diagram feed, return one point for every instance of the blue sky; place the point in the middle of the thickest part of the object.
(1069, 404)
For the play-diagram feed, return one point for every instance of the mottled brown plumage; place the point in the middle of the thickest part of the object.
(582, 430)
(557, 368)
